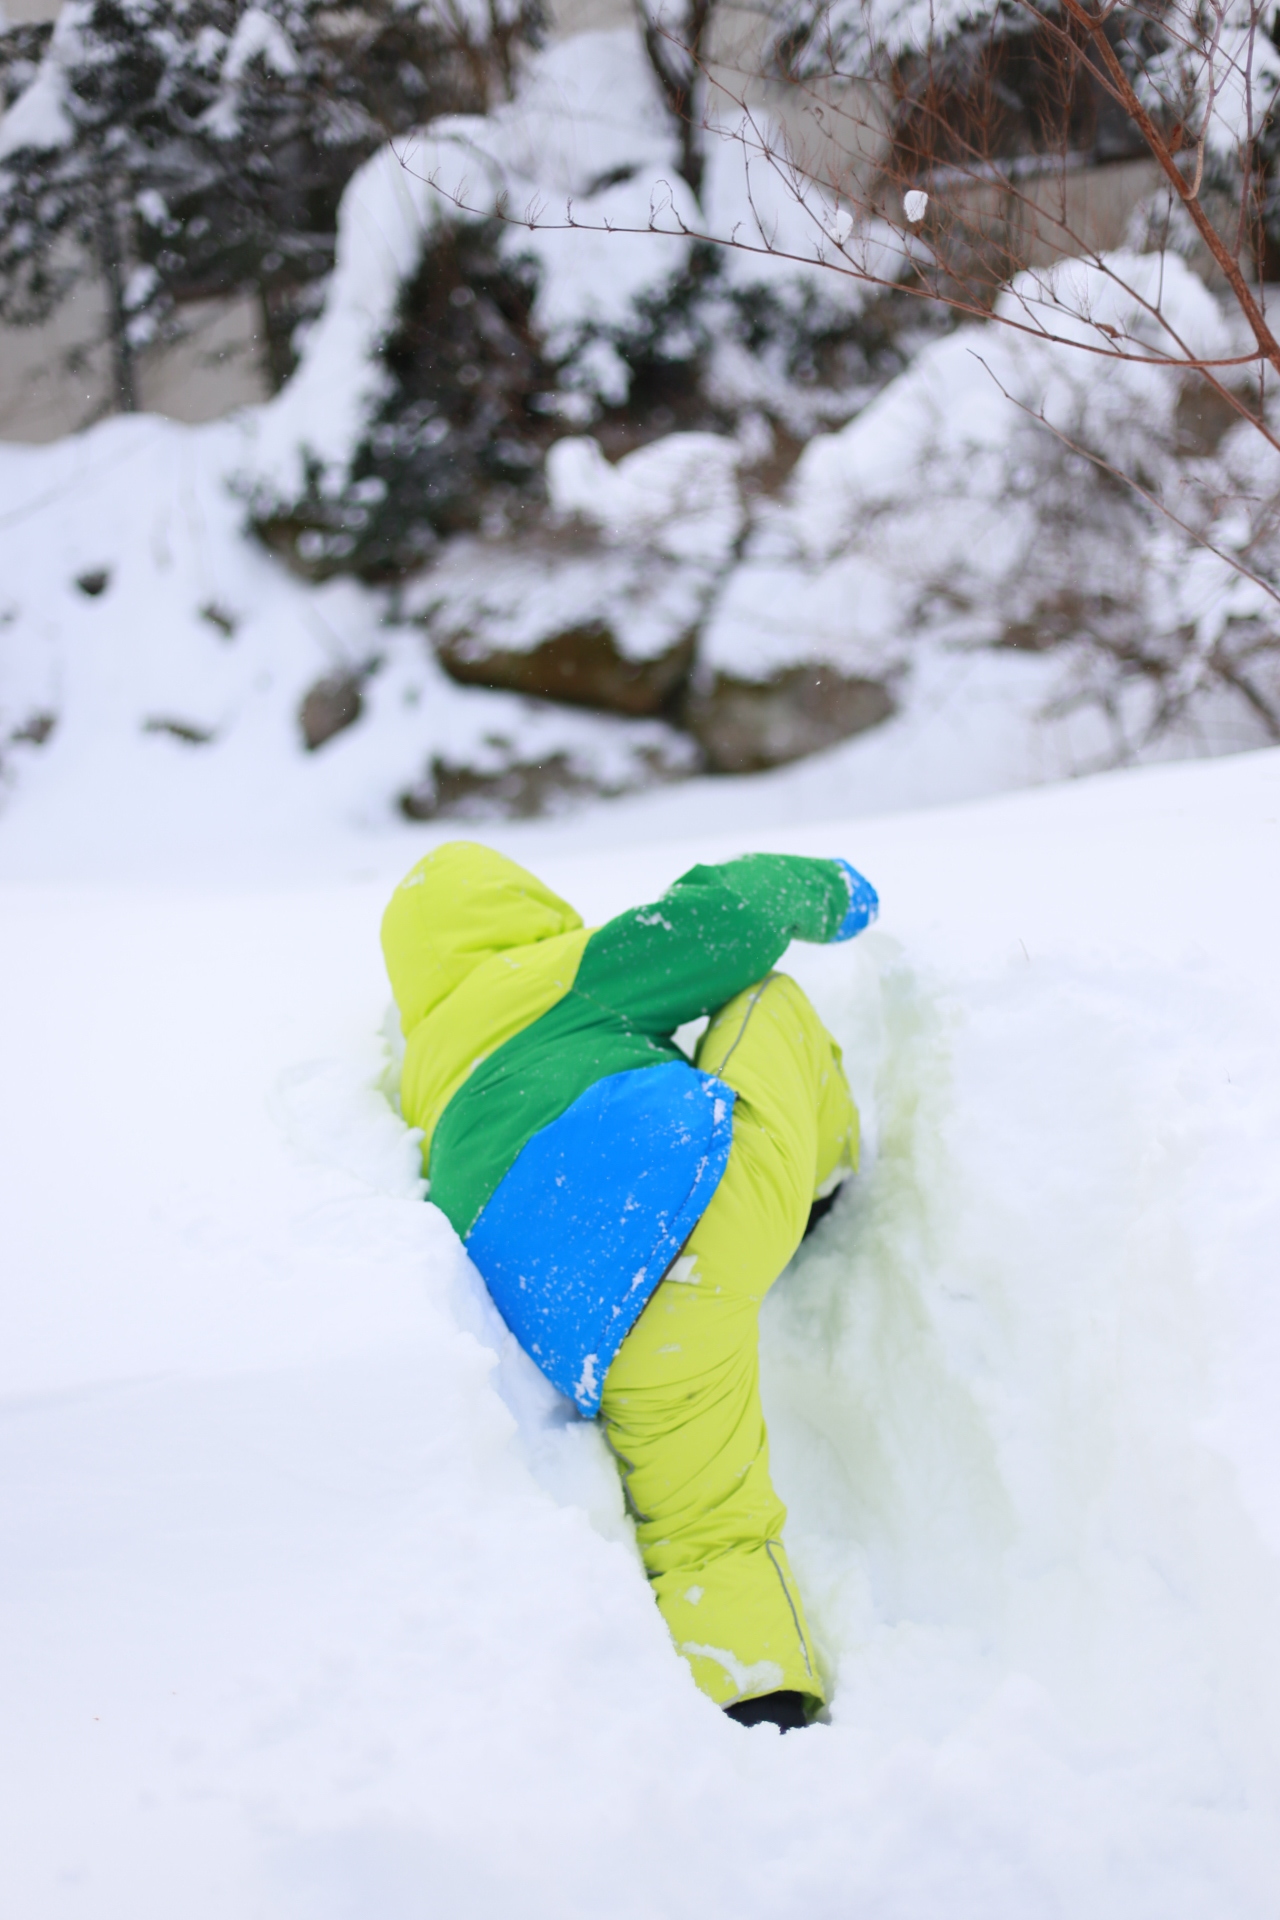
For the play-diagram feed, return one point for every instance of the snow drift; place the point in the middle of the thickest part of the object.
(319, 1602)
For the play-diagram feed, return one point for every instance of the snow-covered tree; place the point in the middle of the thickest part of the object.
(21, 50)
(675, 38)
(179, 149)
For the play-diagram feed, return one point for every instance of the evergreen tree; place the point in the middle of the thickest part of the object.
(186, 148)
(21, 51)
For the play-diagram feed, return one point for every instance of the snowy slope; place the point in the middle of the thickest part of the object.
(317, 1604)
(114, 792)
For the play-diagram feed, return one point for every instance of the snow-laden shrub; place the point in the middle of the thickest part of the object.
(451, 441)
(503, 280)
(1014, 491)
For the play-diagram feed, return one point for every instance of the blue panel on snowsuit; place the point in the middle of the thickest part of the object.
(594, 1209)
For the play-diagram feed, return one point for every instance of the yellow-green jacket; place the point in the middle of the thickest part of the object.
(568, 1139)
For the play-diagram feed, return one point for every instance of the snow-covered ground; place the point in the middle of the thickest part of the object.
(149, 729)
(317, 1604)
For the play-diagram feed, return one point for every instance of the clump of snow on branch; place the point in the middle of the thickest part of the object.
(780, 227)
(38, 117)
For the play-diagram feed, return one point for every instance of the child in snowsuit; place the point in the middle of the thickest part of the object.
(629, 1210)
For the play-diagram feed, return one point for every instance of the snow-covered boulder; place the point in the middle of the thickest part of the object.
(679, 495)
(603, 607)
(564, 620)
(539, 759)
(792, 661)
(745, 725)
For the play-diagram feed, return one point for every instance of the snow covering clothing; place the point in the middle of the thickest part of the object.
(577, 1151)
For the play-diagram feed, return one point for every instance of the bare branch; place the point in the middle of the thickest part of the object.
(849, 269)
(1127, 479)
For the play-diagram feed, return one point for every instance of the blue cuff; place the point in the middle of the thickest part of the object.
(864, 903)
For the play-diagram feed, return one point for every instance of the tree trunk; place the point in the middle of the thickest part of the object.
(111, 265)
(676, 59)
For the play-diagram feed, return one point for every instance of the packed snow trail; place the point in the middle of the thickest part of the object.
(318, 1603)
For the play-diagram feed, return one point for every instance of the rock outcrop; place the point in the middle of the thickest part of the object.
(744, 725)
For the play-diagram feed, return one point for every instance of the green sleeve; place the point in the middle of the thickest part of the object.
(716, 931)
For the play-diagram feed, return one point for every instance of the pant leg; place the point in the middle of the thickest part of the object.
(681, 1403)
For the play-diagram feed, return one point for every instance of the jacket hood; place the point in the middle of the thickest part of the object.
(459, 906)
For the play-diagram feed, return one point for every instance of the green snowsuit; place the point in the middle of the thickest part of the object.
(525, 1040)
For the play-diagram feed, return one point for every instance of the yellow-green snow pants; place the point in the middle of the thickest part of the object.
(681, 1404)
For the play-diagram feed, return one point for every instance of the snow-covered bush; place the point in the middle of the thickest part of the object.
(463, 348)
(459, 341)
(1010, 492)
(451, 440)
